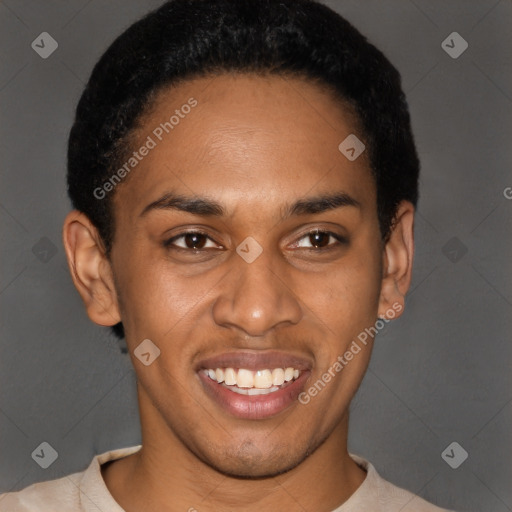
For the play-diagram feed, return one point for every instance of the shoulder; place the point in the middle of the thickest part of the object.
(394, 498)
(82, 491)
(59, 494)
(387, 497)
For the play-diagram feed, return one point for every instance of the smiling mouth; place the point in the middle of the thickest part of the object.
(249, 382)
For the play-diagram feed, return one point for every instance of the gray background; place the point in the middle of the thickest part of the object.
(440, 373)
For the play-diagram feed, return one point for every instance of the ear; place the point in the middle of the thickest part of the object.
(397, 262)
(90, 269)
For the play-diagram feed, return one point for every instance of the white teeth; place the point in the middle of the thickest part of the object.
(219, 375)
(277, 376)
(229, 376)
(257, 382)
(245, 378)
(263, 379)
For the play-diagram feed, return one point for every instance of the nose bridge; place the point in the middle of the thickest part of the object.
(257, 298)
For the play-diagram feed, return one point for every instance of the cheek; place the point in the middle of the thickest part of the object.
(156, 298)
(344, 303)
(347, 296)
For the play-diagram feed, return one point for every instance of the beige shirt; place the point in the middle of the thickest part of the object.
(86, 491)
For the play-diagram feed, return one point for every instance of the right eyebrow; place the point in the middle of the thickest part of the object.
(197, 206)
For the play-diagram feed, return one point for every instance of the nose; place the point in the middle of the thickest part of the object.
(257, 298)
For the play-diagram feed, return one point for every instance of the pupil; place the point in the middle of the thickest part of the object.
(319, 239)
(194, 240)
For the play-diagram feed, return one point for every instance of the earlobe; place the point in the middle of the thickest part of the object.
(397, 262)
(90, 269)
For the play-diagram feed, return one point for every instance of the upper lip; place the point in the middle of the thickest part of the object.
(255, 360)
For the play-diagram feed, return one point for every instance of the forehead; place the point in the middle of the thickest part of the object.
(245, 138)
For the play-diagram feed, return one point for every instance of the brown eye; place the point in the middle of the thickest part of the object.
(319, 239)
(191, 240)
(194, 240)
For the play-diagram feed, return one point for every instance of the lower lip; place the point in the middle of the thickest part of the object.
(254, 407)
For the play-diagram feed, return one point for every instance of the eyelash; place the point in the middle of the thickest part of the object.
(340, 240)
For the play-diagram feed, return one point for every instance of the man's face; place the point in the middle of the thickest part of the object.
(253, 147)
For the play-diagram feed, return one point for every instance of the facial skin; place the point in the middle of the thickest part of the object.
(255, 146)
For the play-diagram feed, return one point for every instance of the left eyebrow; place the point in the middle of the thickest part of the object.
(208, 208)
(320, 204)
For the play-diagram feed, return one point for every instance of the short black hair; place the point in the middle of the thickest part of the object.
(184, 39)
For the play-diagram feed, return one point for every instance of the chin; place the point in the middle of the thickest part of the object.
(247, 461)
